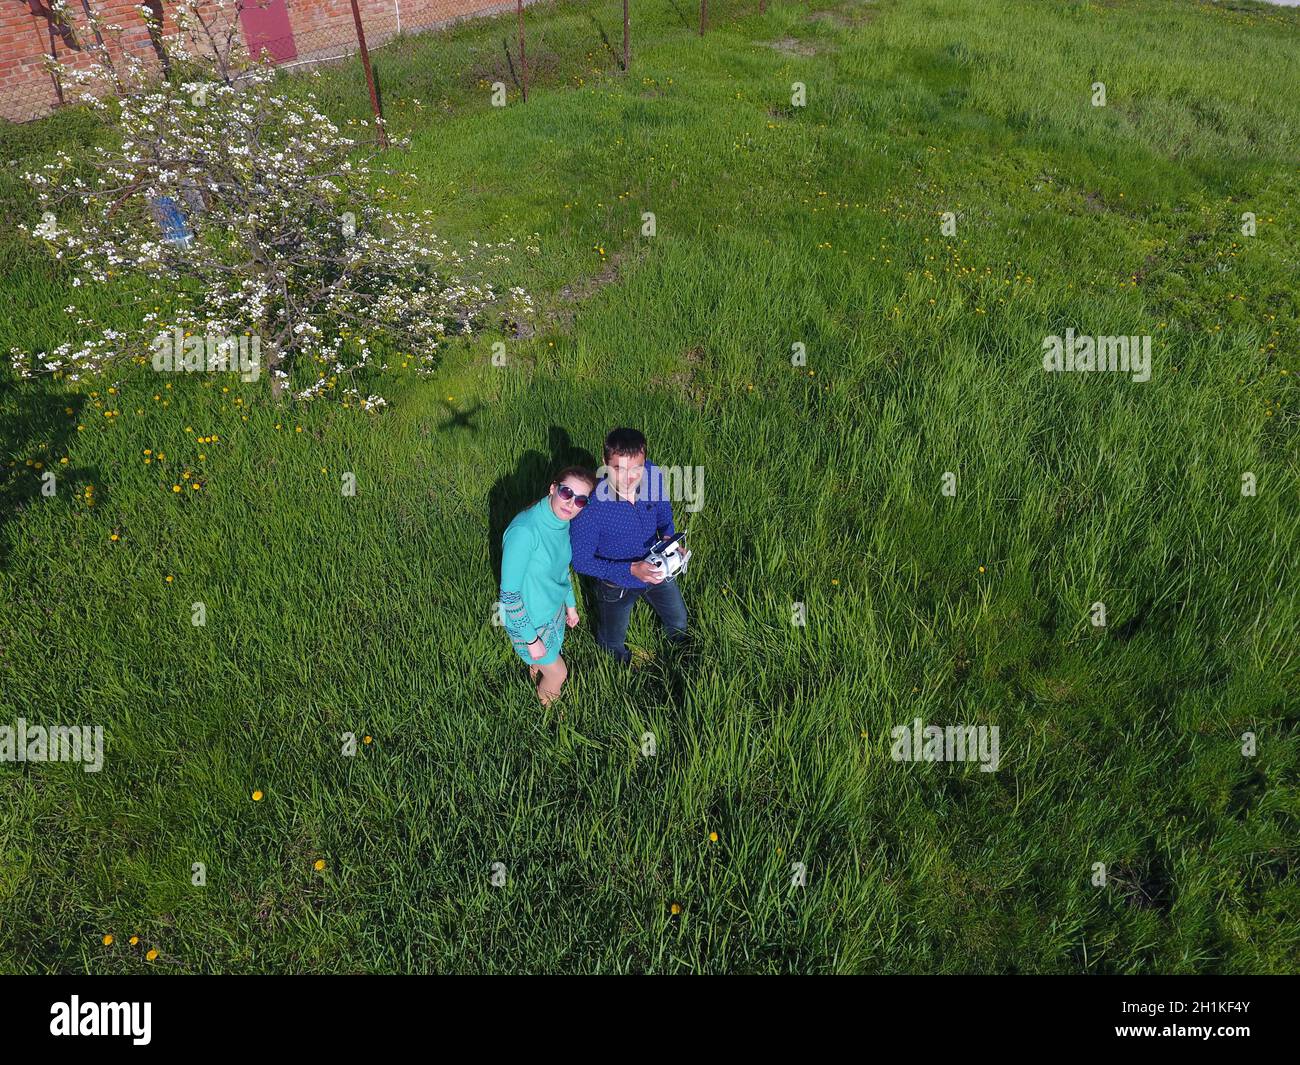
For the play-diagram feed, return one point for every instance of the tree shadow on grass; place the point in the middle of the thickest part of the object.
(681, 14)
(614, 53)
(35, 425)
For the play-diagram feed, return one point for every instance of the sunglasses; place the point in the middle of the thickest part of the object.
(568, 494)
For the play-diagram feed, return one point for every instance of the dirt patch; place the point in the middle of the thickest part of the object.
(682, 381)
(564, 307)
(499, 63)
(849, 14)
(793, 46)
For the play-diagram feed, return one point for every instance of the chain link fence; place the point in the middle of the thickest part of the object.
(481, 43)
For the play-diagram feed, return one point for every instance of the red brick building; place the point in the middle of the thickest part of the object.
(290, 30)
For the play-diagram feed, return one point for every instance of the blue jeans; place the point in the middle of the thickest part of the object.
(615, 606)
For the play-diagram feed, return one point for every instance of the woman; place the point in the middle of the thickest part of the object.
(536, 590)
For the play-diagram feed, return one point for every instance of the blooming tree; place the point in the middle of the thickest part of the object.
(248, 211)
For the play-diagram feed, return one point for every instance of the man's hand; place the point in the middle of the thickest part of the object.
(537, 649)
(643, 571)
(571, 616)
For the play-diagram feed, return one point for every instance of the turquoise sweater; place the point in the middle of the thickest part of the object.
(535, 583)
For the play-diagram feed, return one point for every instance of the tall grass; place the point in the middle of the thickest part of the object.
(776, 225)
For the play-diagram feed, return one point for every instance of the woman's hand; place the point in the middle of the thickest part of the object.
(571, 616)
(537, 649)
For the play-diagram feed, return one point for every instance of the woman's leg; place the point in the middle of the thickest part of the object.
(553, 677)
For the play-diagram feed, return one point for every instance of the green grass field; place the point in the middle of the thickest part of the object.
(776, 225)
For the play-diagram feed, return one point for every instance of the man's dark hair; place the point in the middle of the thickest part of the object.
(624, 442)
(575, 471)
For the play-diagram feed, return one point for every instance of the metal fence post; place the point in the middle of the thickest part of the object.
(370, 75)
(523, 62)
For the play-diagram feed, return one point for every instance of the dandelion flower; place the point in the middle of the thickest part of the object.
(257, 796)
(151, 955)
(108, 941)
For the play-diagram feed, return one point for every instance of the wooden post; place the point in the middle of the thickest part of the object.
(704, 14)
(625, 40)
(370, 75)
(523, 63)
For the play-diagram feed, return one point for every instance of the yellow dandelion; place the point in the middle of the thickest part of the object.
(320, 864)
(108, 941)
(675, 909)
(257, 796)
(713, 837)
(134, 941)
(151, 955)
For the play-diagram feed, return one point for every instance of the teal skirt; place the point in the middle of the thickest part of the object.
(552, 634)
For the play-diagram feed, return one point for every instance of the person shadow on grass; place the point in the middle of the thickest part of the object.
(527, 484)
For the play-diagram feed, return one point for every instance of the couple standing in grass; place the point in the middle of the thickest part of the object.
(605, 526)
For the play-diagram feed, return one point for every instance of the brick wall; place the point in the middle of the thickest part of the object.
(26, 88)
(320, 29)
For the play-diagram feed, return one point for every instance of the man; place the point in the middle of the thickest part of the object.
(628, 512)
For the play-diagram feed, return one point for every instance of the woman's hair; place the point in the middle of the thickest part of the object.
(575, 471)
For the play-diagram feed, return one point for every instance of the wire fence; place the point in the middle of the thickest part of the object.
(516, 43)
